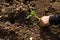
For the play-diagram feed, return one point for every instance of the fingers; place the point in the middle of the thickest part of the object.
(45, 20)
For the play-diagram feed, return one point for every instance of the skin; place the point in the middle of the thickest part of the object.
(45, 20)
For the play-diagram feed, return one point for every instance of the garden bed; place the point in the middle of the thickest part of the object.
(15, 26)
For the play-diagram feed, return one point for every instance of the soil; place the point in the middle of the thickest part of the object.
(15, 26)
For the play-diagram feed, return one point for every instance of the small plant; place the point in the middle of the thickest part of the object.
(32, 13)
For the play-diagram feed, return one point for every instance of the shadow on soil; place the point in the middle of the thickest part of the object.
(49, 33)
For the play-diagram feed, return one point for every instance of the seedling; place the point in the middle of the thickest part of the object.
(32, 13)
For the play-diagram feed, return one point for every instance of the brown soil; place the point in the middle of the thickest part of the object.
(14, 26)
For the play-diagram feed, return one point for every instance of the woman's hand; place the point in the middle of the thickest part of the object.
(45, 20)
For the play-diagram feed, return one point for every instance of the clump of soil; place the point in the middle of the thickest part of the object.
(15, 26)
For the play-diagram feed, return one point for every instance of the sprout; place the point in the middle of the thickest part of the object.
(32, 14)
(32, 11)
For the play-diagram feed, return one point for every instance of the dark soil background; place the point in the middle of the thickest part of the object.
(14, 26)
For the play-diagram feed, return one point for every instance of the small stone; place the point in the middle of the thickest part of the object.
(16, 32)
(20, 6)
(30, 38)
(0, 16)
(3, 10)
(22, 3)
(52, 0)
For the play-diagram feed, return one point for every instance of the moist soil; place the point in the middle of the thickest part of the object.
(15, 26)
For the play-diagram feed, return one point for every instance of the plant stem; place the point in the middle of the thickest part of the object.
(37, 18)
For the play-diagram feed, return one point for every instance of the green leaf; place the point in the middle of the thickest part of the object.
(32, 13)
(28, 16)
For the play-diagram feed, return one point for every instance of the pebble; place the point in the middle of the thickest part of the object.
(0, 16)
(3, 10)
(52, 0)
(30, 38)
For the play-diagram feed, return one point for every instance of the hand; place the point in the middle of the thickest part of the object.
(45, 20)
